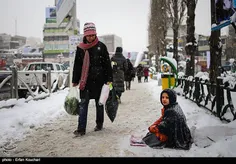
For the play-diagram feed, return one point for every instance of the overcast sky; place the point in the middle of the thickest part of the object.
(125, 18)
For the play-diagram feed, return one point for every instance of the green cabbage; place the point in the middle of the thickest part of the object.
(71, 104)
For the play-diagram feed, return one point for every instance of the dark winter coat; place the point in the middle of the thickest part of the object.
(146, 72)
(100, 71)
(129, 72)
(173, 125)
(139, 70)
(118, 71)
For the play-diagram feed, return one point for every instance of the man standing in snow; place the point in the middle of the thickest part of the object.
(92, 69)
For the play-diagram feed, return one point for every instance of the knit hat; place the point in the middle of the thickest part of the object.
(172, 96)
(89, 29)
(119, 49)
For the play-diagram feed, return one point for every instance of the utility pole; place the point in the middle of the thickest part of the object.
(72, 48)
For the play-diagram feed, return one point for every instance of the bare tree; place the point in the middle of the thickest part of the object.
(157, 29)
(215, 47)
(176, 10)
(152, 34)
(191, 46)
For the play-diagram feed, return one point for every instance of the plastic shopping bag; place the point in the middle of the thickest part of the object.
(112, 105)
(71, 102)
(104, 94)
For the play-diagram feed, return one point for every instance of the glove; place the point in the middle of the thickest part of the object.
(153, 129)
(163, 137)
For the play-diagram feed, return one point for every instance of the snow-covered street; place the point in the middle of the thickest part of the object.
(43, 128)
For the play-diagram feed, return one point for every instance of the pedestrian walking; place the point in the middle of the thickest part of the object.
(92, 69)
(139, 71)
(119, 66)
(146, 74)
(129, 75)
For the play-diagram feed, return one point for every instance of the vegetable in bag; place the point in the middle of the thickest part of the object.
(72, 101)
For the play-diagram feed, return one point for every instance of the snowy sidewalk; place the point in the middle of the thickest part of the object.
(140, 107)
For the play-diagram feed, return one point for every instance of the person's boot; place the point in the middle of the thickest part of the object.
(98, 127)
(79, 132)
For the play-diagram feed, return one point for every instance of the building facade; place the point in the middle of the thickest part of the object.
(11, 42)
(56, 39)
(111, 41)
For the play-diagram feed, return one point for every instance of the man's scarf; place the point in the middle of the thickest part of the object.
(86, 62)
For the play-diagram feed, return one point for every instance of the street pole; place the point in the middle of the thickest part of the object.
(72, 48)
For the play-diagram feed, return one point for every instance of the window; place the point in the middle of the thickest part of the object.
(223, 41)
(32, 67)
(38, 67)
(63, 68)
(50, 66)
(58, 67)
(44, 67)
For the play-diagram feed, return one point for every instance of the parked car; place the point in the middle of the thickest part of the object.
(67, 64)
(227, 67)
(37, 72)
(5, 87)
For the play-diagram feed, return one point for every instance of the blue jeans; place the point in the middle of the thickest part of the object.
(83, 113)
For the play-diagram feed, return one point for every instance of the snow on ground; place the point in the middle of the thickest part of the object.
(43, 129)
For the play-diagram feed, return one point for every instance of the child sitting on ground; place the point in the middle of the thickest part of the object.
(171, 129)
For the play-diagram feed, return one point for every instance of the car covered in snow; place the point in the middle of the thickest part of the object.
(42, 75)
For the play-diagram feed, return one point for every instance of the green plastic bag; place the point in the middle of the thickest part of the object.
(71, 103)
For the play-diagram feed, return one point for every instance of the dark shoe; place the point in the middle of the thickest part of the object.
(79, 132)
(98, 128)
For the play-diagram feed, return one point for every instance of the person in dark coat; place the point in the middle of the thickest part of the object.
(129, 75)
(146, 74)
(133, 74)
(139, 71)
(119, 66)
(171, 129)
(92, 69)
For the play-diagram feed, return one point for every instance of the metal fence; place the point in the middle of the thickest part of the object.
(217, 98)
(10, 81)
